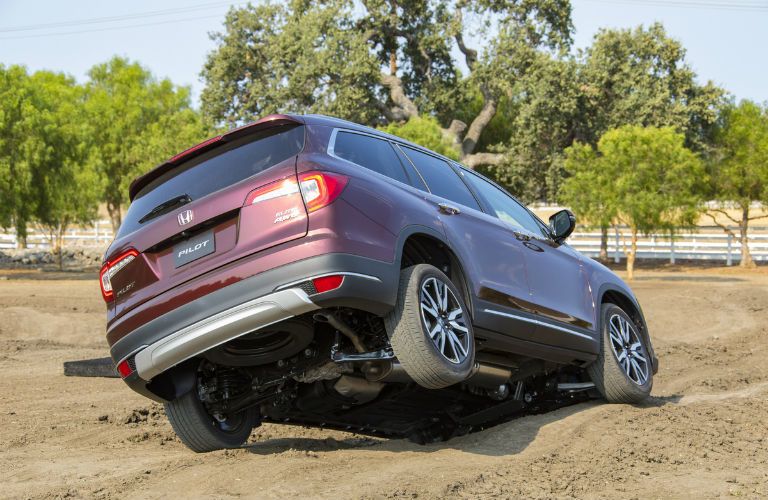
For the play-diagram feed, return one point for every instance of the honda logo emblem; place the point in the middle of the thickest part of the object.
(185, 217)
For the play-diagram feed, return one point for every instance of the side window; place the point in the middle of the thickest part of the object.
(416, 179)
(371, 153)
(441, 178)
(504, 206)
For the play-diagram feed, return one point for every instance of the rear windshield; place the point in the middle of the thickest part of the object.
(215, 170)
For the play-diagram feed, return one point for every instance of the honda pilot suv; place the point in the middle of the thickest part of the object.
(311, 271)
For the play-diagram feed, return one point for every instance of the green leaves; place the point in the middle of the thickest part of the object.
(739, 160)
(43, 145)
(300, 57)
(65, 148)
(135, 122)
(426, 132)
(642, 177)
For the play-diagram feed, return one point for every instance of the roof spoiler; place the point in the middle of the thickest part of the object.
(264, 123)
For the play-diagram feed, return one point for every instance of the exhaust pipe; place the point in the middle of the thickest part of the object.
(488, 376)
(342, 327)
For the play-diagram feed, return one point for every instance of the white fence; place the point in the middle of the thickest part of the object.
(98, 235)
(707, 243)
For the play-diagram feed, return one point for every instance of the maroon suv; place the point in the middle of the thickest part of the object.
(308, 270)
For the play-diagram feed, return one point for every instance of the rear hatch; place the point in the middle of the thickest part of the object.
(232, 196)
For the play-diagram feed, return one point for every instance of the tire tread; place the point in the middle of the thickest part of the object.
(413, 350)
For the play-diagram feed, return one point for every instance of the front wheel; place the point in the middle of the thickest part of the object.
(430, 328)
(622, 372)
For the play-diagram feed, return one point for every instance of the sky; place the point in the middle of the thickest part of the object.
(725, 39)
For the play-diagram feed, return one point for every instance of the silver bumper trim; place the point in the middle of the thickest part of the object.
(219, 328)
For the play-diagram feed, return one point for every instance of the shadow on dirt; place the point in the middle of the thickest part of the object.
(509, 438)
(283, 445)
(12, 274)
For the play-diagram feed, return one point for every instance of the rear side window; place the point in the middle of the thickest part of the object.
(369, 152)
(441, 178)
(216, 170)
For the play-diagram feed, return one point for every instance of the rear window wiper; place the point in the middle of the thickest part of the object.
(166, 207)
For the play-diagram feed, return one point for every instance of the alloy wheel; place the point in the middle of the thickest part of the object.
(628, 349)
(443, 318)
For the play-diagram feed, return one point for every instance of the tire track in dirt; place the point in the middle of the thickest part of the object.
(701, 435)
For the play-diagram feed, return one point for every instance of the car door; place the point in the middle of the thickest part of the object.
(493, 258)
(560, 300)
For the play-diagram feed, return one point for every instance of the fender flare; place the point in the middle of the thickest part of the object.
(413, 229)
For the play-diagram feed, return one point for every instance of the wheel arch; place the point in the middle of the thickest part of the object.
(612, 294)
(424, 245)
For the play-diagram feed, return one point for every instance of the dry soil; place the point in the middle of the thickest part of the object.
(702, 434)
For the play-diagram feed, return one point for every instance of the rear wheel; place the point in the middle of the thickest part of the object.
(201, 432)
(622, 372)
(430, 329)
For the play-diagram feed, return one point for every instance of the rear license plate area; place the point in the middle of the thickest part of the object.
(194, 248)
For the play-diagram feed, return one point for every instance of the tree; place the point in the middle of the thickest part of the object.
(626, 77)
(645, 177)
(640, 77)
(738, 168)
(17, 111)
(64, 189)
(136, 122)
(44, 176)
(386, 62)
(589, 190)
(543, 121)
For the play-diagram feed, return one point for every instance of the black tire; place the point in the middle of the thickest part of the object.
(610, 377)
(421, 358)
(200, 432)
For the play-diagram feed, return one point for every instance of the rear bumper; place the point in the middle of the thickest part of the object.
(220, 328)
(251, 304)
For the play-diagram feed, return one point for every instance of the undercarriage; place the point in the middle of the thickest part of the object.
(336, 369)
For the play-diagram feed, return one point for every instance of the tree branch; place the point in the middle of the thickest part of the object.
(397, 94)
(470, 55)
(723, 212)
(758, 217)
(475, 160)
(722, 226)
(480, 122)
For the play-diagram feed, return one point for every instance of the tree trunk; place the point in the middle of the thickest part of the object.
(59, 245)
(631, 255)
(603, 243)
(21, 241)
(114, 216)
(477, 126)
(746, 257)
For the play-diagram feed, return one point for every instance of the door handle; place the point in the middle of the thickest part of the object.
(532, 246)
(448, 209)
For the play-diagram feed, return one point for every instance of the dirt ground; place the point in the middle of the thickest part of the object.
(703, 434)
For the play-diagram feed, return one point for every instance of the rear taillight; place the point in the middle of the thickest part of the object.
(111, 268)
(271, 191)
(319, 189)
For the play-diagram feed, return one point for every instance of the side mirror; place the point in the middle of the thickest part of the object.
(562, 225)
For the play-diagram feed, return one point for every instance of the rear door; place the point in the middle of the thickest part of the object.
(493, 258)
(236, 199)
